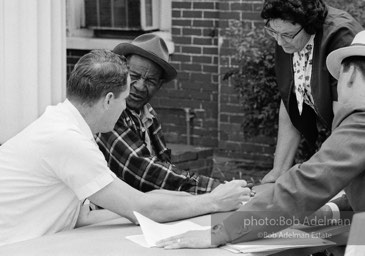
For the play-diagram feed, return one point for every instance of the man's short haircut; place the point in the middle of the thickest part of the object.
(310, 14)
(96, 74)
(356, 61)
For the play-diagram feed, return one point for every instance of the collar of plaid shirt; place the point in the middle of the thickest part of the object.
(146, 119)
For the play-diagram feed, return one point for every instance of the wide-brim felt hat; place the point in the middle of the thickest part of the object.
(335, 58)
(152, 47)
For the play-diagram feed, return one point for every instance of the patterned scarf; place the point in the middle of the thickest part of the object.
(302, 65)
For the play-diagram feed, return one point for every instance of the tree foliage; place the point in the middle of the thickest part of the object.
(254, 78)
(355, 7)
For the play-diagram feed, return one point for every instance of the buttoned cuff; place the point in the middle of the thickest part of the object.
(335, 211)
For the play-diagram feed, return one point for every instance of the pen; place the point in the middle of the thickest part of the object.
(253, 193)
(250, 186)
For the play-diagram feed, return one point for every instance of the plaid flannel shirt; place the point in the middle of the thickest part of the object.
(128, 157)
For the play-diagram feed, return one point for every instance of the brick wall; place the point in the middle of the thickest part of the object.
(195, 159)
(72, 57)
(232, 142)
(202, 56)
(194, 32)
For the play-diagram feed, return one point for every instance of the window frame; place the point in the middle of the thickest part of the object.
(82, 38)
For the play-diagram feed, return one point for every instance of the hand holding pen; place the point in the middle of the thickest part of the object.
(250, 186)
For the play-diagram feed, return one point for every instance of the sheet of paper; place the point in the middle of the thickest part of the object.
(154, 231)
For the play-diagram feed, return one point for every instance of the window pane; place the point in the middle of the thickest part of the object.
(120, 13)
(105, 13)
(115, 14)
(149, 14)
(134, 14)
(91, 13)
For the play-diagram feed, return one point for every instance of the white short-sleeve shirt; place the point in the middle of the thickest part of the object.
(46, 171)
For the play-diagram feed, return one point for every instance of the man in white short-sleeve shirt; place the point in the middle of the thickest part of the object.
(54, 164)
(57, 162)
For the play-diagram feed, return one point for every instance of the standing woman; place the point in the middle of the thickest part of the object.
(306, 31)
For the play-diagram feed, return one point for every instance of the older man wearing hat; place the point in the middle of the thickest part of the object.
(338, 165)
(136, 149)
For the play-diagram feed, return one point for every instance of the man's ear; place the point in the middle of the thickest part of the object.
(354, 72)
(358, 84)
(108, 100)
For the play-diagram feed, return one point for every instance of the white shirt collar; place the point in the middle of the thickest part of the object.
(76, 115)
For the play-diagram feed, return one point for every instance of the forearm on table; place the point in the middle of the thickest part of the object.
(123, 200)
(169, 192)
(89, 217)
(166, 207)
(169, 177)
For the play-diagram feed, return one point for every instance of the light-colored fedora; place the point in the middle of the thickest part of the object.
(151, 47)
(335, 58)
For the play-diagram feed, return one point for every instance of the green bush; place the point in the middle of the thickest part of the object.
(355, 7)
(254, 76)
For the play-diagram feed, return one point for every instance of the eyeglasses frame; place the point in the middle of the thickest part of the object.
(275, 34)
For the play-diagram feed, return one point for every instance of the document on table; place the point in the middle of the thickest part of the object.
(283, 240)
(154, 231)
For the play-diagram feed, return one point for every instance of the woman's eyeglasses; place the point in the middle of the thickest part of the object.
(276, 35)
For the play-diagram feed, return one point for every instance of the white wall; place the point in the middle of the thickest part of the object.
(32, 61)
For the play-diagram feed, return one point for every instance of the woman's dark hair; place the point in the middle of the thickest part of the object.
(310, 14)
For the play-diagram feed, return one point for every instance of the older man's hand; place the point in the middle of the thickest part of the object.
(230, 195)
